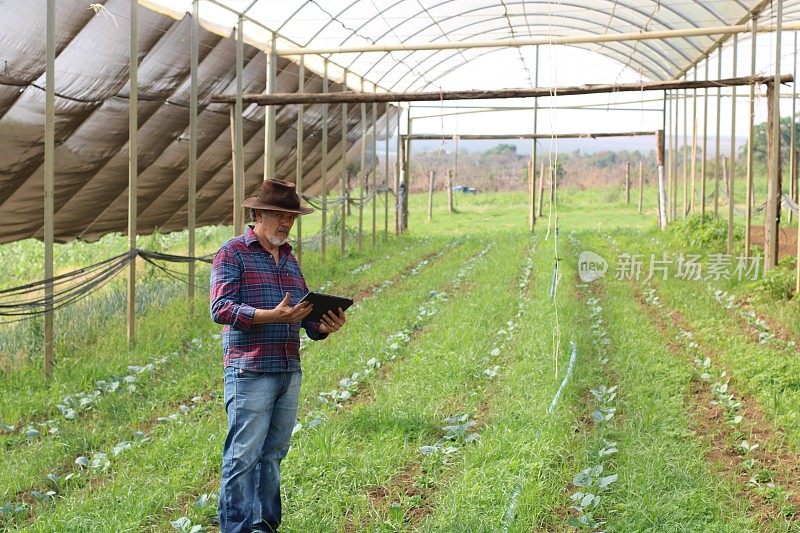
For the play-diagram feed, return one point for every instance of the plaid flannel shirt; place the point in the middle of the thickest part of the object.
(244, 277)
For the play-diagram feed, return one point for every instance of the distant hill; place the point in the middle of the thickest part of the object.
(587, 146)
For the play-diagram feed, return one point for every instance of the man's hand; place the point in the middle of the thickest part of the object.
(283, 313)
(331, 322)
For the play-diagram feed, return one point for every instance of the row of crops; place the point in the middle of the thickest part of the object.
(460, 397)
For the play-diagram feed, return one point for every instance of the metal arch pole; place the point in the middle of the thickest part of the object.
(692, 193)
(641, 187)
(49, 185)
(717, 135)
(133, 168)
(237, 138)
(704, 166)
(792, 131)
(750, 138)
(662, 208)
(298, 180)
(386, 175)
(409, 132)
(270, 127)
(506, 43)
(685, 154)
(732, 165)
(456, 139)
(675, 125)
(660, 167)
(374, 168)
(534, 154)
(192, 192)
(324, 165)
(774, 184)
(431, 176)
(362, 172)
(627, 183)
(670, 152)
(449, 185)
(397, 170)
(796, 180)
(343, 177)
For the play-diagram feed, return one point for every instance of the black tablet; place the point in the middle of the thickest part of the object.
(323, 303)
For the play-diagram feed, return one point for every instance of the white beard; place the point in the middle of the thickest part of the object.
(274, 240)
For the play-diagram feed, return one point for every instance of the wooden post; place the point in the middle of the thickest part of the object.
(774, 186)
(628, 183)
(662, 200)
(641, 185)
(750, 138)
(133, 168)
(300, 145)
(49, 186)
(774, 180)
(450, 191)
(430, 195)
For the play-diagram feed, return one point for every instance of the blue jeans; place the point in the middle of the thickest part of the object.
(261, 409)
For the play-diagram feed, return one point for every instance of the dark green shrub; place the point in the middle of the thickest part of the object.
(778, 283)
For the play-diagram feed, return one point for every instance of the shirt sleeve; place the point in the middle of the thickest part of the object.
(226, 305)
(312, 330)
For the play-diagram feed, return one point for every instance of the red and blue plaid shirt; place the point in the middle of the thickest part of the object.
(244, 277)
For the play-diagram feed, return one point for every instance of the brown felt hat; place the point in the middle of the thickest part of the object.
(277, 195)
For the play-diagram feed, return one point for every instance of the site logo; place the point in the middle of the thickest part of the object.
(591, 266)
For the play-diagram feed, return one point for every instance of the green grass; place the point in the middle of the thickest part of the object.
(362, 467)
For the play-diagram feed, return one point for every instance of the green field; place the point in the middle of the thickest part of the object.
(474, 387)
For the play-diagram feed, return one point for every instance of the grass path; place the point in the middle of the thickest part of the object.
(197, 373)
(166, 451)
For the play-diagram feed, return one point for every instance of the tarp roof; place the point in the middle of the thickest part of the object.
(92, 96)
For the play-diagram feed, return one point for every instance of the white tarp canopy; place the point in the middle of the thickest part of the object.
(92, 90)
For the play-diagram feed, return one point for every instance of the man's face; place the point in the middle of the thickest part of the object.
(276, 225)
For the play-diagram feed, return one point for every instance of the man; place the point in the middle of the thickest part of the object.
(255, 280)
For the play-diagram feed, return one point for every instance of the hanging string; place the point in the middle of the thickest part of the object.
(29, 300)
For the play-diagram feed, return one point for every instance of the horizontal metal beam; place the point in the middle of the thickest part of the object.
(506, 136)
(350, 97)
(503, 109)
(533, 41)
